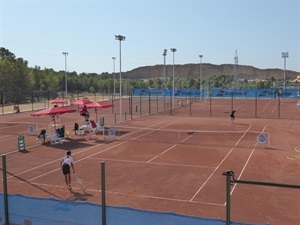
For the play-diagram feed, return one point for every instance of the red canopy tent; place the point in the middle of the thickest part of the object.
(97, 105)
(81, 102)
(53, 111)
(58, 101)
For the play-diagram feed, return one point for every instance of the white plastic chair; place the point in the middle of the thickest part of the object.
(79, 132)
(55, 139)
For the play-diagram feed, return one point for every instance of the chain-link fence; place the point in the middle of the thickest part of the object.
(182, 103)
(161, 184)
(31, 210)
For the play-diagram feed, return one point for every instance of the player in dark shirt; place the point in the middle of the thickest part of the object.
(232, 117)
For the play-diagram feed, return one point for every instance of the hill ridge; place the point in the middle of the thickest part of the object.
(193, 70)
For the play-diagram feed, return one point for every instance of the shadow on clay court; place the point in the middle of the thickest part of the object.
(78, 196)
(24, 151)
(78, 143)
(25, 181)
(242, 124)
(70, 145)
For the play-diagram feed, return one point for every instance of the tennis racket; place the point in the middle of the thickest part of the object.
(78, 179)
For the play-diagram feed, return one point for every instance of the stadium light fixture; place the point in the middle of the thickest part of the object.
(200, 74)
(284, 56)
(165, 54)
(173, 91)
(66, 78)
(114, 59)
(120, 38)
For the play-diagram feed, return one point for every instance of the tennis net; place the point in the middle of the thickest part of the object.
(192, 137)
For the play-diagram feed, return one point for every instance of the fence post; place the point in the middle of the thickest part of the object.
(5, 189)
(279, 102)
(129, 103)
(48, 98)
(255, 105)
(140, 105)
(190, 104)
(210, 106)
(103, 193)
(171, 105)
(112, 102)
(232, 101)
(130, 99)
(157, 102)
(149, 103)
(32, 100)
(164, 101)
(228, 175)
(2, 102)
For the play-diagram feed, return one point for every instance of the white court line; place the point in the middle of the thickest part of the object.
(169, 149)
(27, 147)
(4, 136)
(149, 131)
(88, 157)
(76, 160)
(156, 163)
(164, 198)
(275, 107)
(249, 157)
(161, 153)
(121, 193)
(220, 164)
(266, 107)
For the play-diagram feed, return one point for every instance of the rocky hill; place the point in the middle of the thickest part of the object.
(193, 70)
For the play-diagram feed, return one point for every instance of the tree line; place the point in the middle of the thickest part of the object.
(20, 83)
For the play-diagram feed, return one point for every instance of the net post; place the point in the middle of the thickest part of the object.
(103, 193)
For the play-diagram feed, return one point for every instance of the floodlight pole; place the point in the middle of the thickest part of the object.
(66, 79)
(173, 92)
(200, 74)
(120, 38)
(114, 59)
(165, 54)
(284, 56)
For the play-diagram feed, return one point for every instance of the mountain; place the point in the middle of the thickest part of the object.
(193, 70)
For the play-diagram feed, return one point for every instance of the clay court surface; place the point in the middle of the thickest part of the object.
(172, 163)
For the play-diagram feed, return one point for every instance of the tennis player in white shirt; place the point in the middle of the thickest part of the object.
(66, 164)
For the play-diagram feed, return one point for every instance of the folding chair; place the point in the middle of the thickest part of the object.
(60, 134)
(93, 127)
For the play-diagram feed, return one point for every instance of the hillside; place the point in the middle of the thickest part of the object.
(193, 70)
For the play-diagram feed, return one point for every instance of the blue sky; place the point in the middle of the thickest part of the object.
(260, 30)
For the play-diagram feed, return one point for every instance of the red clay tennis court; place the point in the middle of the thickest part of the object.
(168, 164)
